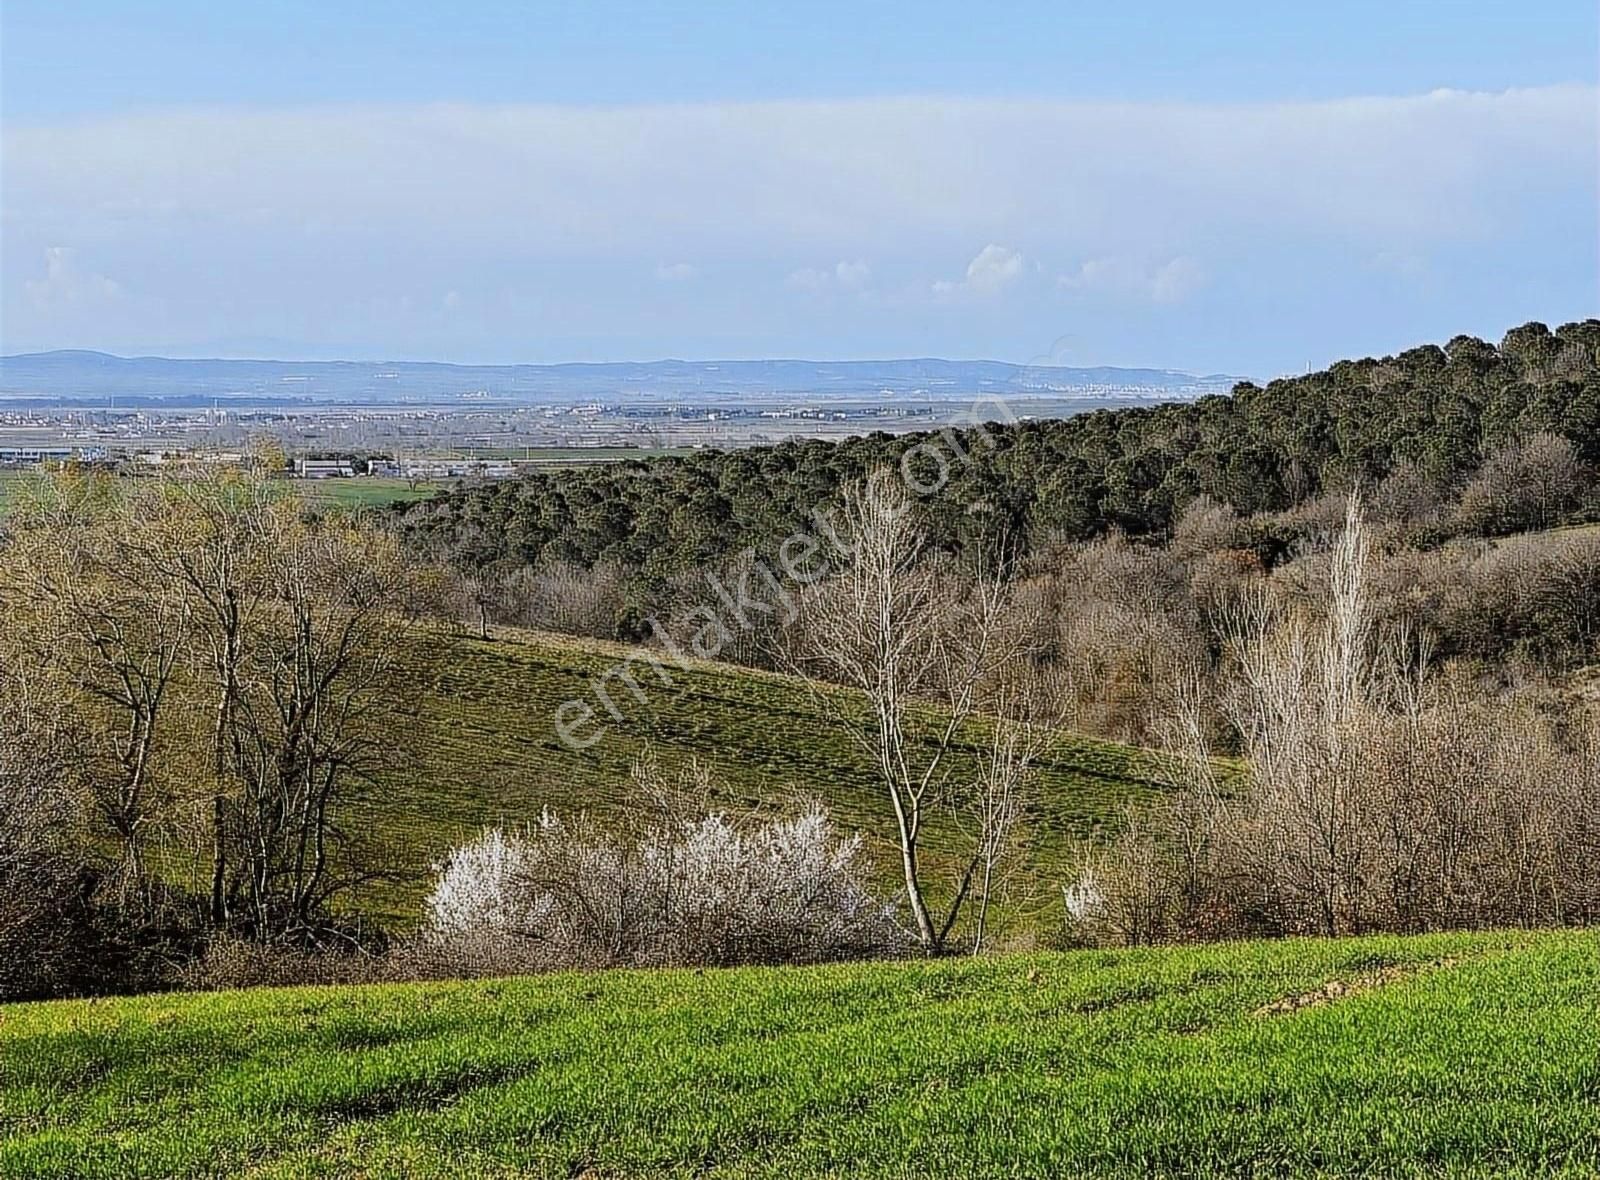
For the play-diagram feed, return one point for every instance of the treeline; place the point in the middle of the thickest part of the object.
(1439, 424)
(197, 726)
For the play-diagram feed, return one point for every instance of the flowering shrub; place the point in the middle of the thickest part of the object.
(704, 890)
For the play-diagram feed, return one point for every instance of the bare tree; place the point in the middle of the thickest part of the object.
(1378, 796)
(1301, 689)
(211, 543)
(114, 634)
(921, 649)
(290, 617)
(1526, 483)
(1002, 794)
(313, 672)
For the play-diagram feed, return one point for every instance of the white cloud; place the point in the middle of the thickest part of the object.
(1090, 175)
(262, 221)
(992, 270)
(843, 275)
(1176, 280)
(66, 284)
(1171, 281)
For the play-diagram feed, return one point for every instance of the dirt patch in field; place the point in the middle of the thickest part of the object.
(1343, 989)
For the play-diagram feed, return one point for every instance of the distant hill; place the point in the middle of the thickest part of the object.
(76, 375)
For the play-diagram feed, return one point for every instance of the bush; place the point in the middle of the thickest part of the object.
(48, 937)
(702, 891)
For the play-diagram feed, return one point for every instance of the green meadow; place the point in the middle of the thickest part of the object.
(1457, 1055)
(476, 744)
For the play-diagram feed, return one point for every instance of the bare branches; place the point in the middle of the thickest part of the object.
(155, 602)
(1376, 798)
(925, 647)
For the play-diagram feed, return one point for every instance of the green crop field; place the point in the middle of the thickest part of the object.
(364, 491)
(477, 744)
(1460, 1055)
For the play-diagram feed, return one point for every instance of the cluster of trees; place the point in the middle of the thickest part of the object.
(1411, 760)
(1131, 554)
(1127, 625)
(192, 690)
(1439, 424)
(934, 650)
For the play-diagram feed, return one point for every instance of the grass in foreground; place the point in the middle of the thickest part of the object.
(1480, 1056)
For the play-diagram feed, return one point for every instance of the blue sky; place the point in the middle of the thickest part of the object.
(1243, 188)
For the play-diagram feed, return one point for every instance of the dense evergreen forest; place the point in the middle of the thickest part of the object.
(1433, 414)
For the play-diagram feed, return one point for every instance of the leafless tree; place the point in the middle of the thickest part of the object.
(210, 541)
(922, 648)
(1003, 792)
(1378, 796)
(301, 730)
(1527, 483)
(78, 573)
(215, 594)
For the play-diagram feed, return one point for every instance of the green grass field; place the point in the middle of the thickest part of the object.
(364, 492)
(477, 744)
(1478, 1055)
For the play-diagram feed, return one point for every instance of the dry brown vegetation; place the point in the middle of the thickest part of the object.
(1382, 793)
(193, 696)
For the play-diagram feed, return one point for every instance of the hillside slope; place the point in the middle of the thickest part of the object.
(477, 744)
(1463, 1055)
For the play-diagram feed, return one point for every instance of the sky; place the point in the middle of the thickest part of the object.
(1239, 188)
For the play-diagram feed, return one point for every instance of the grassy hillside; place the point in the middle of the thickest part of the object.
(1449, 1055)
(479, 746)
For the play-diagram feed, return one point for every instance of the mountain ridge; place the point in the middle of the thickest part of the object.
(79, 373)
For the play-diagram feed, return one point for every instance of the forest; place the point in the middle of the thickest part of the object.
(1416, 429)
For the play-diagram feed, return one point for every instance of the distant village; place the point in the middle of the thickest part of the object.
(487, 440)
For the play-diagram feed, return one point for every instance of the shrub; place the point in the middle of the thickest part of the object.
(699, 891)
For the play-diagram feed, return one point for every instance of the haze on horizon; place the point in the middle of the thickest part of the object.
(623, 183)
